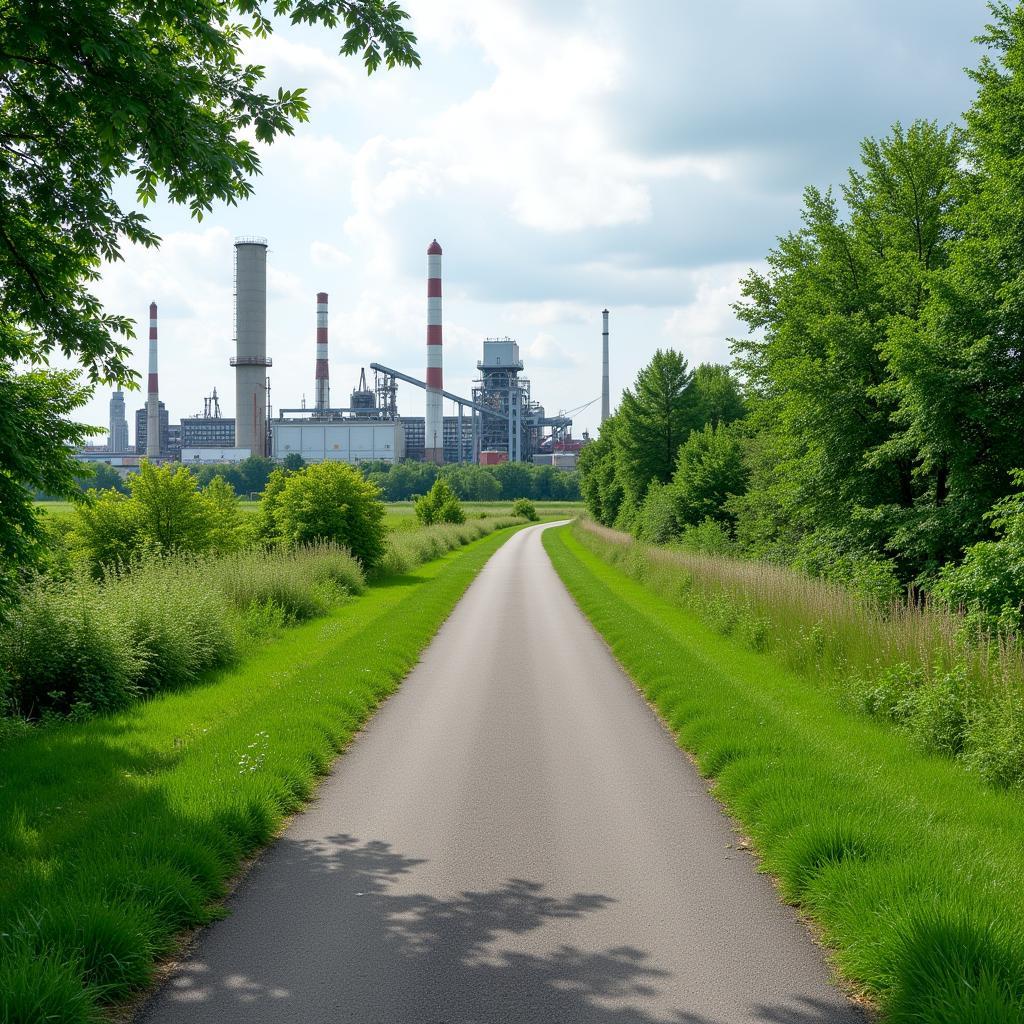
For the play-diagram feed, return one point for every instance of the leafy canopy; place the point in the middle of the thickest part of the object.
(96, 94)
(329, 501)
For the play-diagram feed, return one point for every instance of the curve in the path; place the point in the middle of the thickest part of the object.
(515, 838)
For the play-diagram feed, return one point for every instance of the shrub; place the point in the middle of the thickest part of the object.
(331, 501)
(439, 505)
(179, 624)
(172, 513)
(108, 530)
(165, 513)
(656, 521)
(64, 650)
(989, 583)
(526, 509)
(708, 536)
(226, 524)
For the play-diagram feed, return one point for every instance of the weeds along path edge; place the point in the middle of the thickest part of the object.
(117, 833)
(913, 868)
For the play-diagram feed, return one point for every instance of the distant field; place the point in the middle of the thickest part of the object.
(400, 514)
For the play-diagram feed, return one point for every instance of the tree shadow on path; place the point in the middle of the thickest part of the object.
(335, 935)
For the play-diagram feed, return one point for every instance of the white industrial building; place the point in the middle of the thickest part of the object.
(338, 440)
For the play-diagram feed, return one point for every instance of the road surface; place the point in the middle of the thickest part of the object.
(514, 839)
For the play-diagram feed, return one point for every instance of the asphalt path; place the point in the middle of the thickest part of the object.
(514, 839)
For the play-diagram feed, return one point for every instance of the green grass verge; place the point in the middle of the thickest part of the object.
(913, 868)
(117, 833)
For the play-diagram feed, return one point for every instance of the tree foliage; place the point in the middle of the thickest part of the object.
(622, 473)
(329, 501)
(439, 505)
(655, 417)
(93, 94)
(165, 512)
(835, 316)
(881, 378)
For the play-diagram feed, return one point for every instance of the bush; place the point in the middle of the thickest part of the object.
(439, 505)
(526, 509)
(989, 583)
(165, 513)
(107, 529)
(180, 626)
(64, 650)
(330, 501)
(709, 537)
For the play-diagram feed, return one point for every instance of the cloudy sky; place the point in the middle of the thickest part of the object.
(568, 155)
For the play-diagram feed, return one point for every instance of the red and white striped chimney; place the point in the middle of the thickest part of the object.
(153, 393)
(323, 383)
(433, 436)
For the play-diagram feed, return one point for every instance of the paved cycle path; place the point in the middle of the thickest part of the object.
(514, 839)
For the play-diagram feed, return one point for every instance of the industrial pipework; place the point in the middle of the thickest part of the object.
(433, 435)
(323, 383)
(153, 393)
(250, 360)
(605, 390)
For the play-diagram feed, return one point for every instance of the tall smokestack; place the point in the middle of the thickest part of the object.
(605, 391)
(153, 393)
(250, 360)
(323, 383)
(433, 436)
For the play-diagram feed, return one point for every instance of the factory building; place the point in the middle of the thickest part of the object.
(355, 433)
(117, 437)
(208, 429)
(500, 421)
(414, 427)
(337, 440)
(208, 432)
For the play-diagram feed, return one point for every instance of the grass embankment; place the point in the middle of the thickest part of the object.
(118, 832)
(918, 667)
(913, 867)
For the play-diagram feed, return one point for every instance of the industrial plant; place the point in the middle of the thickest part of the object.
(499, 421)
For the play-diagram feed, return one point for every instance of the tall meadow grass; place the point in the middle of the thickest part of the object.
(78, 646)
(915, 665)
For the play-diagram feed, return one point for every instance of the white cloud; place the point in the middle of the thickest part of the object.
(701, 328)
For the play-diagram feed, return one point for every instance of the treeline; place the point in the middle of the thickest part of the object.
(880, 423)
(402, 482)
(505, 482)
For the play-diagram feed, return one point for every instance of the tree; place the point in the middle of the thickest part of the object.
(599, 481)
(100, 476)
(717, 394)
(171, 511)
(515, 479)
(33, 433)
(331, 501)
(832, 450)
(957, 370)
(251, 474)
(293, 461)
(654, 418)
(94, 94)
(440, 505)
(710, 471)
(225, 516)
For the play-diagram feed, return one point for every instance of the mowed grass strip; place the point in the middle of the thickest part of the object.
(117, 833)
(913, 867)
